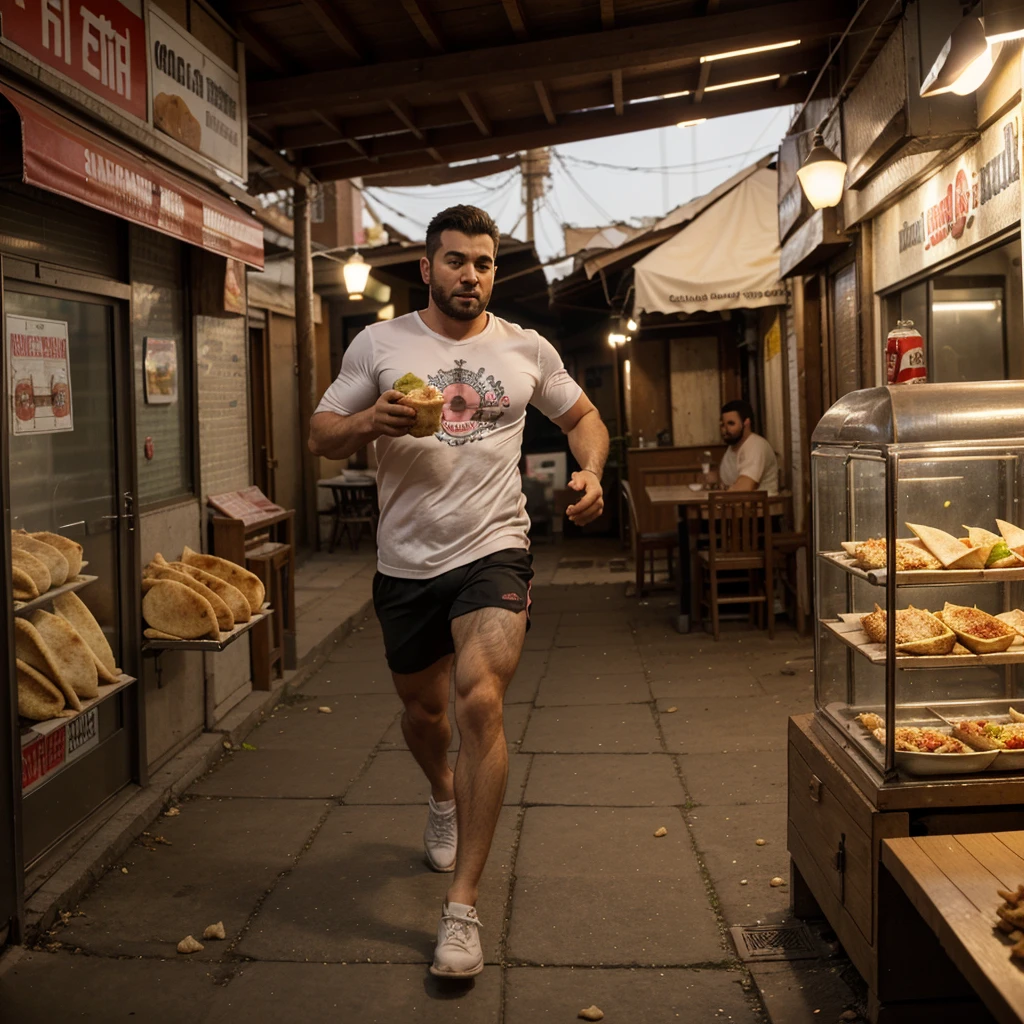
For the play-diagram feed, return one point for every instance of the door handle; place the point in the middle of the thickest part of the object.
(129, 511)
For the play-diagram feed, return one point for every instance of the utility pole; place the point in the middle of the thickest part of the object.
(535, 167)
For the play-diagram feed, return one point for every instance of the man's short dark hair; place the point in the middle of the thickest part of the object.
(743, 407)
(470, 220)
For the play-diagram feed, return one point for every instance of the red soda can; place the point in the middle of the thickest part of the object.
(904, 355)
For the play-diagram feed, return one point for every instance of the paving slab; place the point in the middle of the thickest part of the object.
(356, 994)
(590, 636)
(339, 680)
(42, 988)
(354, 653)
(300, 773)
(598, 619)
(726, 840)
(395, 778)
(715, 725)
(587, 688)
(611, 659)
(680, 685)
(515, 717)
(594, 886)
(613, 780)
(650, 996)
(592, 729)
(742, 777)
(363, 891)
(207, 874)
(355, 720)
(802, 990)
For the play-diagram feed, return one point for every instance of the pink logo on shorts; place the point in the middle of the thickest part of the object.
(512, 597)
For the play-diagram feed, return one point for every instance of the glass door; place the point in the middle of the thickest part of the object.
(76, 482)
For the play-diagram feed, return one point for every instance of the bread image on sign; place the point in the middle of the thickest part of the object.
(172, 116)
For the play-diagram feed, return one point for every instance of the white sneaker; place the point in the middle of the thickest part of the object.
(458, 953)
(440, 837)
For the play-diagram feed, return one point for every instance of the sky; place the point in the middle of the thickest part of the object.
(695, 159)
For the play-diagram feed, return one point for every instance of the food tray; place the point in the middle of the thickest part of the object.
(921, 577)
(24, 607)
(226, 638)
(1005, 760)
(847, 629)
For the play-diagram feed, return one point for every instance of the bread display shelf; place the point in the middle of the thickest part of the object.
(24, 607)
(847, 629)
(34, 730)
(226, 638)
(921, 577)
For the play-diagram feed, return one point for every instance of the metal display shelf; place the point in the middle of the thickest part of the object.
(34, 730)
(921, 577)
(847, 629)
(24, 607)
(226, 638)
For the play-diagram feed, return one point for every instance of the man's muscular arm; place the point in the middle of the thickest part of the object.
(588, 441)
(337, 437)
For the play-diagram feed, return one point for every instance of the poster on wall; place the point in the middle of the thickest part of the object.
(160, 376)
(197, 98)
(39, 384)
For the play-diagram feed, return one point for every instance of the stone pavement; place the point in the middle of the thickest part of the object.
(306, 842)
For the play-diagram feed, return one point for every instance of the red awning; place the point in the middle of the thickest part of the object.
(62, 157)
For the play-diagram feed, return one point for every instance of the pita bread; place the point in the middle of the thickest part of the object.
(33, 650)
(980, 537)
(230, 595)
(978, 631)
(247, 582)
(31, 565)
(48, 555)
(950, 551)
(69, 548)
(917, 631)
(225, 619)
(24, 588)
(38, 699)
(1014, 618)
(1013, 535)
(70, 652)
(175, 609)
(72, 608)
(158, 634)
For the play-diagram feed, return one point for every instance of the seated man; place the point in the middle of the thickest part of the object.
(749, 463)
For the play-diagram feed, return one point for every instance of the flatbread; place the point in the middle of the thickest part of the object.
(428, 403)
(230, 595)
(70, 549)
(225, 619)
(70, 652)
(247, 582)
(175, 609)
(978, 631)
(32, 649)
(47, 554)
(24, 588)
(75, 610)
(979, 537)
(33, 567)
(948, 550)
(1013, 535)
(917, 631)
(158, 634)
(38, 699)
(1013, 618)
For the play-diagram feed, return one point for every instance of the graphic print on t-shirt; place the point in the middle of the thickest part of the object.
(473, 403)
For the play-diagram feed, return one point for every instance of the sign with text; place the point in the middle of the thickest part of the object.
(43, 756)
(99, 45)
(39, 367)
(197, 99)
(969, 200)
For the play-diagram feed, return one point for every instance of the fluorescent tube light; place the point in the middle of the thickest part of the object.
(753, 49)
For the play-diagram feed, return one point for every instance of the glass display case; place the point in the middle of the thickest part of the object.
(947, 459)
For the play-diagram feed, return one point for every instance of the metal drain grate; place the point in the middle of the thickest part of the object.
(757, 943)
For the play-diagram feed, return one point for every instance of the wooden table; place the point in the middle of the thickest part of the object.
(952, 882)
(690, 504)
(355, 505)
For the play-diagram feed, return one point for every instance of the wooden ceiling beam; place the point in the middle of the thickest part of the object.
(666, 42)
(456, 144)
(443, 175)
(544, 99)
(475, 109)
(425, 23)
(342, 134)
(336, 28)
(702, 82)
(445, 115)
(277, 163)
(617, 101)
(607, 14)
(405, 114)
(516, 18)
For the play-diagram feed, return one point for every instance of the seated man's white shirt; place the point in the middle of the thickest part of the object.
(754, 459)
(457, 496)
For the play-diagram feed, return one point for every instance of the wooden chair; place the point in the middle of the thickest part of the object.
(786, 547)
(739, 545)
(647, 544)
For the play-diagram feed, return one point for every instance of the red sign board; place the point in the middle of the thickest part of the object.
(42, 757)
(62, 157)
(97, 44)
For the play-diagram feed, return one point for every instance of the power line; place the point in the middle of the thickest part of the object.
(579, 188)
(668, 169)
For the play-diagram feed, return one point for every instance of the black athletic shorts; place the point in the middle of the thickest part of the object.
(416, 615)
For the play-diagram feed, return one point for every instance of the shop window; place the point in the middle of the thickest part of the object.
(163, 368)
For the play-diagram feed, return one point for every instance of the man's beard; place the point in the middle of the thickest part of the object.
(730, 440)
(447, 304)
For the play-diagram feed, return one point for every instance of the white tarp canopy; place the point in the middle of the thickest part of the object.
(727, 257)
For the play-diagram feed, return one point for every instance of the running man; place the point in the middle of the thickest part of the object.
(452, 590)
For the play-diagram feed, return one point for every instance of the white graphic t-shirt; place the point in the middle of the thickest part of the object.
(455, 497)
(755, 459)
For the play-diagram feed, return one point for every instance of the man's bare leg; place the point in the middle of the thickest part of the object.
(425, 724)
(488, 644)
